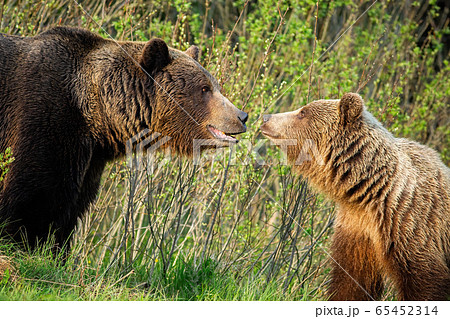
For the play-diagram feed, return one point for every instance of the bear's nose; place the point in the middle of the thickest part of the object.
(266, 117)
(243, 117)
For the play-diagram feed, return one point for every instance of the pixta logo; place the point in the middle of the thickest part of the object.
(137, 158)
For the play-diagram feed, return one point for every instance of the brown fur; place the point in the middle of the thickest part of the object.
(69, 103)
(393, 196)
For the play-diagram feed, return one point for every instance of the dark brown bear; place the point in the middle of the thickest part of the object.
(393, 196)
(69, 102)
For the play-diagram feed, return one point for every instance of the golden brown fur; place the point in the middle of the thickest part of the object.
(393, 196)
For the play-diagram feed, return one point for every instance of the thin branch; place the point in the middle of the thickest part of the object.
(314, 51)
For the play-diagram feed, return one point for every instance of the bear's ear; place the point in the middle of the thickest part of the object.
(350, 107)
(193, 52)
(155, 56)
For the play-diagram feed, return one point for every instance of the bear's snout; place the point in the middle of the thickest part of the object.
(267, 129)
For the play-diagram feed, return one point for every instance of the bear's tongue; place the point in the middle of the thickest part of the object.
(221, 135)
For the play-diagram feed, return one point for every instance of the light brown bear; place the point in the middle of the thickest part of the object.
(393, 195)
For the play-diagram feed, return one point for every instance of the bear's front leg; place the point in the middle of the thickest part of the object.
(355, 272)
(421, 275)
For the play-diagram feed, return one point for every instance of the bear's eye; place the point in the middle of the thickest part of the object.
(206, 89)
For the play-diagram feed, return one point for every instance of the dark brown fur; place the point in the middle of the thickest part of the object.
(69, 102)
(393, 196)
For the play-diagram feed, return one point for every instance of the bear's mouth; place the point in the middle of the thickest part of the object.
(268, 133)
(220, 135)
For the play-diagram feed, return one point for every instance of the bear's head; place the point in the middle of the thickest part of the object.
(167, 93)
(307, 133)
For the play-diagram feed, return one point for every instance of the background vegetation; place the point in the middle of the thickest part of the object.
(240, 226)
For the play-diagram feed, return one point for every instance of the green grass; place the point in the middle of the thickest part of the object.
(41, 276)
(239, 230)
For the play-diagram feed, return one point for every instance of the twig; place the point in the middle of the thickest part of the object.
(314, 51)
(218, 205)
(361, 84)
(1, 14)
(122, 278)
(51, 282)
(228, 38)
(266, 54)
